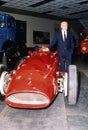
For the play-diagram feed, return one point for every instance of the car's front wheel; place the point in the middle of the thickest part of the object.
(5, 77)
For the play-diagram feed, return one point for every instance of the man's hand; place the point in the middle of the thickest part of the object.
(44, 48)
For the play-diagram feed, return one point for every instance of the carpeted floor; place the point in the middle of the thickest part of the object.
(51, 118)
(85, 72)
(77, 115)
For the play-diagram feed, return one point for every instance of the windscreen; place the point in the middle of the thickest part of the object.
(2, 21)
(11, 22)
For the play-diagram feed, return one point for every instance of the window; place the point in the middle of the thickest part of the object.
(2, 21)
(11, 22)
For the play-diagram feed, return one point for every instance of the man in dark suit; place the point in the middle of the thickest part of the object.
(64, 43)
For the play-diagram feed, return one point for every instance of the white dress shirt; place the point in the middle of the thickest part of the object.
(64, 35)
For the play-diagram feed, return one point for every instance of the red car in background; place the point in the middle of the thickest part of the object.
(84, 46)
(38, 80)
(84, 42)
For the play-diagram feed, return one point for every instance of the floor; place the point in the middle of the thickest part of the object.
(58, 116)
(77, 116)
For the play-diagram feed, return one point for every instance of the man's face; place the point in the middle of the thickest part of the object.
(64, 26)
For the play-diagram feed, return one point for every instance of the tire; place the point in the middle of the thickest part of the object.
(72, 85)
(3, 68)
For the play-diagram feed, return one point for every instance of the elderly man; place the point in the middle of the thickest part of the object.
(64, 43)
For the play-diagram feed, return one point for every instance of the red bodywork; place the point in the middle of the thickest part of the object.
(34, 84)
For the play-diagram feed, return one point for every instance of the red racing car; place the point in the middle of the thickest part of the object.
(84, 44)
(38, 80)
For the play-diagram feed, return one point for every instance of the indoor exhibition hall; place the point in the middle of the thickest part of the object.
(44, 64)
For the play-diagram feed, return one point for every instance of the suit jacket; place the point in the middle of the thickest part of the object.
(66, 47)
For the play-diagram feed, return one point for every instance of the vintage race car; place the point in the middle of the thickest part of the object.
(38, 80)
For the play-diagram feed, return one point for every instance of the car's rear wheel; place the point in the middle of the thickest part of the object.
(72, 85)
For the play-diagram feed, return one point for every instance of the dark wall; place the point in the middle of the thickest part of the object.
(77, 26)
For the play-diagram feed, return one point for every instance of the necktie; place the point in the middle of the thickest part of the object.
(64, 36)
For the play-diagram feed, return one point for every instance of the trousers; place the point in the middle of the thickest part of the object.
(65, 61)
